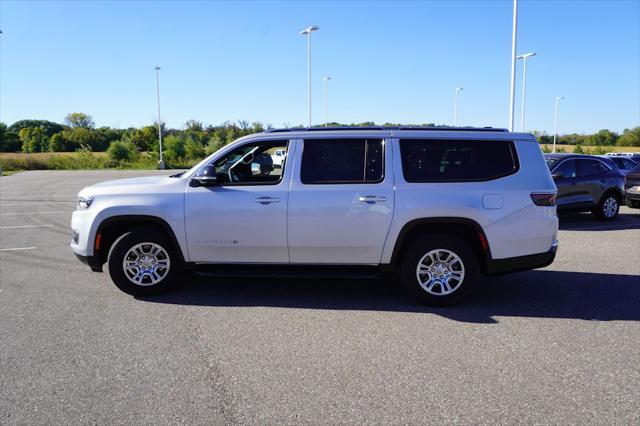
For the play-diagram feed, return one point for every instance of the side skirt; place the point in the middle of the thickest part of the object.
(289, 271)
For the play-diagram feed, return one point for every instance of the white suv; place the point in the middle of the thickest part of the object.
(439, 206)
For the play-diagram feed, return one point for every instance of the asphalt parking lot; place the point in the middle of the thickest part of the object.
(556, 345)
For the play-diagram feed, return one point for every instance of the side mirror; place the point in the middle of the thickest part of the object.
(203, 181)
(557, 176)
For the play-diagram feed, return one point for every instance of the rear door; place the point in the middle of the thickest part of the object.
(592, 178)
(341, 201)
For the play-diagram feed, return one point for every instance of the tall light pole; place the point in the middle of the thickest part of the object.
(307, 31)
(161, 162)
(524, 57)
(326, 79)
(555, 122)
(512, 96)
(455, 105)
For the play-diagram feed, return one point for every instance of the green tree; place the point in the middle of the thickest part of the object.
(604, 137)
(630, 137)
(144, 139)
(9, 141)
(34, 139)
(57, 143)
(194, 150)
(49, 127)
(119, 151)
(79, 119)
(174, 147)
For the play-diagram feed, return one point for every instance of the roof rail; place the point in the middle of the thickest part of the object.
(361, 128)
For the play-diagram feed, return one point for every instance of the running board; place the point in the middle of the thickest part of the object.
(288, 271)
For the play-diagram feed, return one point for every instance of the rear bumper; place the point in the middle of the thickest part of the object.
(521, 263)
(91, 261)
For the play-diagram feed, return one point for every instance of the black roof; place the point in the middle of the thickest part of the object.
(361, 128)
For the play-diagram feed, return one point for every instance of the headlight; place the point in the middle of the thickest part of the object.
(84, 203)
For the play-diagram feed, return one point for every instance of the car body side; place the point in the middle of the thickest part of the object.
(508, 223)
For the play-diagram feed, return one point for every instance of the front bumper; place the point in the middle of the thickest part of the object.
(521, 263)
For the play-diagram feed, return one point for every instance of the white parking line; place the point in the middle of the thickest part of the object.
(51, 212)
(25, 226)
(18, 248)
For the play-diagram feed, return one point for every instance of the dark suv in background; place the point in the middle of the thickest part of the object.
(587, 183)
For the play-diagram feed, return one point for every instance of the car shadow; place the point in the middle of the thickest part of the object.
(539, 294)
(586, 222)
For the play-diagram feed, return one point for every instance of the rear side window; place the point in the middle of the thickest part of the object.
(431, 160)
(327, 161)
(591, 168)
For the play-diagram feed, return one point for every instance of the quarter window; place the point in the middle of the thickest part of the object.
(335, 161)
(434, 160)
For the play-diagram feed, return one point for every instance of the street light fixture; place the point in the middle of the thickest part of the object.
(555, 122)
(455, 105)
(524, 57)
(512, 93)
(326, 79)
(161, 162)
(307, 31)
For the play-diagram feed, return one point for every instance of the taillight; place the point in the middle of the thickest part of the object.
(540, 199)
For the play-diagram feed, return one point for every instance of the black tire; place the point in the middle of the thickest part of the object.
(603, 210)
(132, 239)
(419, 249)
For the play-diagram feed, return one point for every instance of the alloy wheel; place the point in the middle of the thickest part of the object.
(440, 272)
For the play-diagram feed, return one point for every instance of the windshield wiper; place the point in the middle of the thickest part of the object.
(177, 175)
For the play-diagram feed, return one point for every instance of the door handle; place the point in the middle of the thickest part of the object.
(267, 200)
(371, 199)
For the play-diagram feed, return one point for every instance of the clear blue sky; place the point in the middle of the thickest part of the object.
(390, 61)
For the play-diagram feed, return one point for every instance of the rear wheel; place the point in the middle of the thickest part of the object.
(143, 262)
(439, 270)
(608, 207)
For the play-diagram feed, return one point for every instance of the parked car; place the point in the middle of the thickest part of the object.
(439, 206)
(623, 163)
(632, 188)
(587, 183)
(279, 156)
(634, 156)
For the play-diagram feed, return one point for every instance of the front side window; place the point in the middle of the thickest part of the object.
(434, 160)
(252, 164)
(591, 168)
(336, 161)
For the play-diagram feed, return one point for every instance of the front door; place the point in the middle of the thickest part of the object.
(243, 219)
(341, 202)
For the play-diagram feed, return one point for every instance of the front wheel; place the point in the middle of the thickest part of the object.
(439, 270)
(608, 207)
(143, 262)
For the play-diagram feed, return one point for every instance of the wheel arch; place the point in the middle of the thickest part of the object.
(110, 229)
(464, 228)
